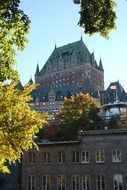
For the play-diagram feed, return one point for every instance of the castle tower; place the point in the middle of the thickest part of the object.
(71, 65)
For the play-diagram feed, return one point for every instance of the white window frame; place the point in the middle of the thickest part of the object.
(75, 182)
(100, 156)
(86, 182)
(116, 155)
(31, 182)
(46, 183)
(101, 182)
(118, 182)
(85, 156)
(61, 182)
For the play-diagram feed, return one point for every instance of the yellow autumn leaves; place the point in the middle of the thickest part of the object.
(18, 123)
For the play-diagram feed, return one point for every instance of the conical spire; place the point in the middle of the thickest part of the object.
(100, 65)
(30, 81)
(37, 70)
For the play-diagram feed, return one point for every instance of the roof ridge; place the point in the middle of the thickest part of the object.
(70, 44)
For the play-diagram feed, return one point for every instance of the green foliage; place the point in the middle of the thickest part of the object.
(78, 112)
(18, 124)
(97, 16)
(14, 25)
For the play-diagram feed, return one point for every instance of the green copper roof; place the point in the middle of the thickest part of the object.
(66, 52)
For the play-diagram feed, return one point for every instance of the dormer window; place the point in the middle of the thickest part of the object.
(51, 98)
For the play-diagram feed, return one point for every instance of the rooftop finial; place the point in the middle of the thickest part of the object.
(81, 36)
(55, 44)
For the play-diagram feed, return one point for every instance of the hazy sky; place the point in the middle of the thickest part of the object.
(55, 21)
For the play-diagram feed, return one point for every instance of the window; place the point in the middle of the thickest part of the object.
(46, 182)
(85, 156)
(51, 98)
(46, 157)
(61, 157)
(100, 182)
(31, 182)
(100, 156)
(31, 158)
(116, 155)
(123, 109)
(75, 182)
(86, 182)
(117, 182)
(61, 182)
(75, 156)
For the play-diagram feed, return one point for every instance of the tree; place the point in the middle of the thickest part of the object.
(97, 16)
(14, 26)
(51, 132)
(79, 112)
(18, 124)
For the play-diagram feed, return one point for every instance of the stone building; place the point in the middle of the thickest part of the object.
(96, 161)
(70, 69)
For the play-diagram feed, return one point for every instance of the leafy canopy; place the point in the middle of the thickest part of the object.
(78, 112)
(97, 16)
(18, 123)
(14, 25)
